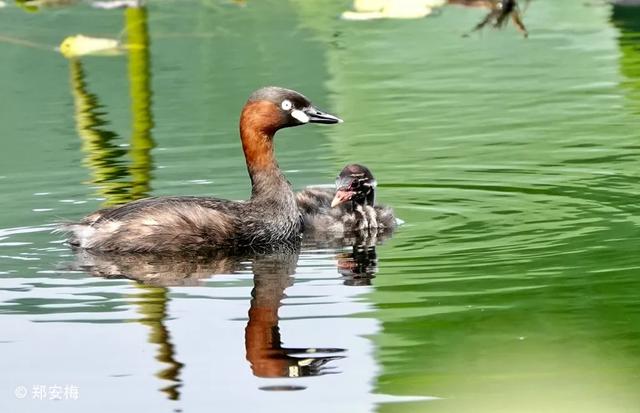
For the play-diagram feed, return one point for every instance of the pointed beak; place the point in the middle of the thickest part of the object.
(342, 196)
(317, 116)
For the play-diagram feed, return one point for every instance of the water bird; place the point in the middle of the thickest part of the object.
(348, 208)
(181, 223)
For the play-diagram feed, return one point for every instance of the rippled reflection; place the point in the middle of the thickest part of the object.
(358, 266)
(102, 153)
(118, 180)
(152, 305)
(356, 257)
(141, 141)
(627, 20)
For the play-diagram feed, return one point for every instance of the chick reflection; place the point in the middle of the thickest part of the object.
(359, 266)
(358, 263)
(272, 275)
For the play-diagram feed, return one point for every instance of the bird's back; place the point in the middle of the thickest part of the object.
(158, 224)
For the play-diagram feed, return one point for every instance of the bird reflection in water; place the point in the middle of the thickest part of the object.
(272, 275)
(359, 266)
(357, 260)
(268, 358)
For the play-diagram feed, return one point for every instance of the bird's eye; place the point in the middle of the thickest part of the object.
(286, 104)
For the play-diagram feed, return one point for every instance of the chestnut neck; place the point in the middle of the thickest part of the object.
(258, 125)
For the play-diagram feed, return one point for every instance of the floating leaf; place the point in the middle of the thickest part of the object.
(80, 45)
(391, 9)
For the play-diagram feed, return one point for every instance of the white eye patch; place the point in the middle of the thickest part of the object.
(286, 104)
(300, 115)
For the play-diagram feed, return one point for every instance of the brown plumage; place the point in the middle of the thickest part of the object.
(268, 219)
(350, 207)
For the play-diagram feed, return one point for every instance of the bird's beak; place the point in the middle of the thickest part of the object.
(314, 115)
(342, 196)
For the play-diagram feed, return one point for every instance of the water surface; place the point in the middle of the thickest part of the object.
(514, 163)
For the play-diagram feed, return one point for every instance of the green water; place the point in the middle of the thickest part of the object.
(512, 286)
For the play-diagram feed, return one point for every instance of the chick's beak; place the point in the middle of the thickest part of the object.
(342, 196)
(317, 116)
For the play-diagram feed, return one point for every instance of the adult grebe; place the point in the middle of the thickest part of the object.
(183, 223)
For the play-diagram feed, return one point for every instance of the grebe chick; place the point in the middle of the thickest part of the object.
(180, 223)
(348, 208)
